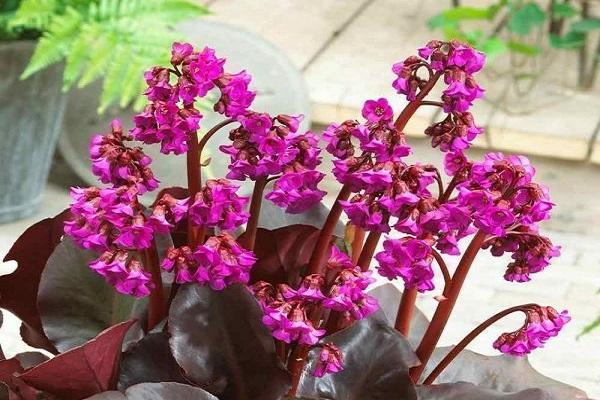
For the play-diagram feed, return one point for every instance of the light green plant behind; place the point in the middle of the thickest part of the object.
(113, 39)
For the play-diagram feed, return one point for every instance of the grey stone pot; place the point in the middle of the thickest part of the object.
(31, 113)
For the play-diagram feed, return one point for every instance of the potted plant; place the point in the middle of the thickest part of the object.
(205, 309)
(47, 46)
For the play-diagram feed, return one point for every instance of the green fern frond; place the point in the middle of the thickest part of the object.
(35, 14)
(117, 39)
(55, 43)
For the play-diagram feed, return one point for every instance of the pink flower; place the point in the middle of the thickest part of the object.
(205, 69)
(289, 323)
(409, 259)
(137, 282)
(541, 324)
(180, 51)
(135, 235)
(222, 262)
(297, 191)
(235, 95)
(338, 260)
(218, 205)
(115, 163)
(166, 212)
(330, 361)
(347, 294)
(182, 261)
(375, 111)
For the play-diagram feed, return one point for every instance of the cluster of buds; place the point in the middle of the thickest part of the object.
(171, 115)
(457, 63)
(541, 323)
(289, 312)
(111, 220)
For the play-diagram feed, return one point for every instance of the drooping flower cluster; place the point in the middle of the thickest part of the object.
(505, 203)
(111, 220)
(219, 262)
(331, 360)
(263, 146)
(171, 115)
(288, 310)
(457, 63)
(541, 324)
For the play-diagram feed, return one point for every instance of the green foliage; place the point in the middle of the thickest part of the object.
(590, 327)
(525, 18)
(586, 25)
(111, 39)
(519, 19)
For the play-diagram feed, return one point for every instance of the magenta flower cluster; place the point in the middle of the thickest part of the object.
(457, 62)
(219, 262)
(288, 310)
(263, 146)
(171, 114)
(541, 324)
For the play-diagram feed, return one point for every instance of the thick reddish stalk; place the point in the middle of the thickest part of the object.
(405, 311)
(357, 242)
(444, 268)
(211, 132)
(366, 255)
(414, 105)
(444, 309)
(469, 338)
(321, 251)
(193, 180)
(295, 365)
(255, 203)
(157, 308)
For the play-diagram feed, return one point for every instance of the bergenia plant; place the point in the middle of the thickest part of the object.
(210, 304)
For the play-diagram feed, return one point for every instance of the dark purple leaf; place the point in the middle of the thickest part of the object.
(273, 217)
(18, 290)
(376, 363)
(468, 391)
(388, 296)
(157, 391)
(83, 371)
(219, 340)
(150, 360)
(76, 303)
(283, 253)
(503, 373)
(30, 359)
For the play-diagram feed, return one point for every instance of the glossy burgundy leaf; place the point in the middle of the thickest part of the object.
(157, 391)
(76, 303)
(15, 388)
(376, 363)
(503, 373)
(149, 360)
(18, 290)
(282, 253)
(468, 391)
(82, 371)
(273, 217)
(388, 296)
(219, 340)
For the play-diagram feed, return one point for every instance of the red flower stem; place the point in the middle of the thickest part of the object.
(432, 103)
(357, 242)
(193, 180)
(449, 189)
(366, 255)
(405, 311)
(412, 107)
(295, 365)
(212, 131)
(445, 272)
(157, 308)
(469, 338)
(321, 251)
(444, 309)
(255, 203)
